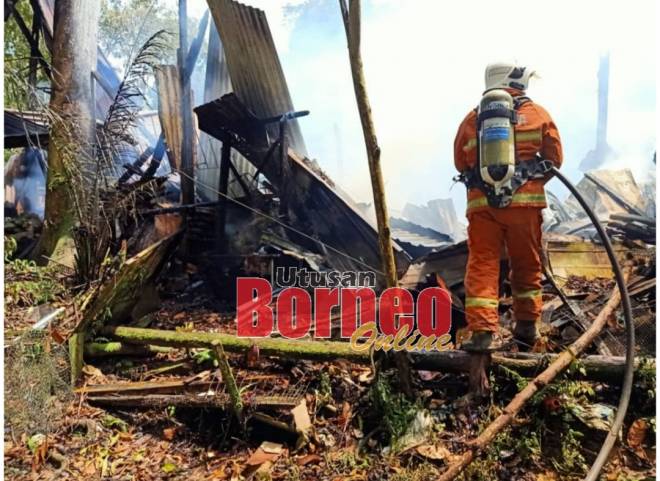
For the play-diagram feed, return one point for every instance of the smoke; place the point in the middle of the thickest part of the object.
(424, 64)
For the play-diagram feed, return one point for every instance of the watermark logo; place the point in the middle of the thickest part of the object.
(306, 302)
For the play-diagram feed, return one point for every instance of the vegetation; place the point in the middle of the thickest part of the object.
(17, 60)
(27, 284)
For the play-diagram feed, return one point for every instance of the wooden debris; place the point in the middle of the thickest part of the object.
(115, 299)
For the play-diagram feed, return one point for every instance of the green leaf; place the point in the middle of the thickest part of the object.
(169, 467)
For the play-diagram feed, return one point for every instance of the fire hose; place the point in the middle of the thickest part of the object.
(626, 388)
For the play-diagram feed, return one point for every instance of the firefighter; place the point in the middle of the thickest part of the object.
(502, 151)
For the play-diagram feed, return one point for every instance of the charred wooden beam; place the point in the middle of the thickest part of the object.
(223, 183)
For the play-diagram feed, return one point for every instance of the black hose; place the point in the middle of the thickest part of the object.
(626, 389)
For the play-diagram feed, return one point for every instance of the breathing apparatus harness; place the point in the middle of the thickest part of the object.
(497, 172)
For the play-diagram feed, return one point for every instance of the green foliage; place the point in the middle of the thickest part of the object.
(205, 356)
(324, 391)
(394, 409)
(10, 247)
(27, 284)
(109, 421)
(422, 472)
(645, 378)
(17, 57)
(571, 459)
(125, 25)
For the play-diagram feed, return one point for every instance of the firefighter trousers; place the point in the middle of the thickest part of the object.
(490, 230)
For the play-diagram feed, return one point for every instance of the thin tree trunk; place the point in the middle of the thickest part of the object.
(72, 130)
(351, 19)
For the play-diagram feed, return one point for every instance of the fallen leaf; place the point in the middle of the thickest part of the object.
(252, 356)
(169, 467)
(428, 375)
(57, 337)
(547, 476)
(271, 448)
(260, 455)
(169, 433)
(92, 372)
(636, 437)
(433, 451)
(308, 459)
(301, 418)
(552, 403)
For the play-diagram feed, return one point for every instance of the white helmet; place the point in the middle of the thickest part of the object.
(507, 75)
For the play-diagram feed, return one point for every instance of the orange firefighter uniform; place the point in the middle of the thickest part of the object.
(516, 227)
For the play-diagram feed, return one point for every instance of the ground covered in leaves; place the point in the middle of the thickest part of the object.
(362, 427)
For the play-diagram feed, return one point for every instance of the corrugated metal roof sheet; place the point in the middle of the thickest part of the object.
(256, 74)
(216, 85)
(25, 128)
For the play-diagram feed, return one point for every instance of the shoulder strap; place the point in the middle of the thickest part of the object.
(520, 100)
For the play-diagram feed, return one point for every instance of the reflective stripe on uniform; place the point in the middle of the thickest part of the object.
(478, 202)
(528, 136)
(522, 199)
(517, 200)
(481, 302)
(528, 294)
(470, 144)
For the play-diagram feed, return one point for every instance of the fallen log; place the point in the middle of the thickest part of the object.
(219, 400)
(295, 349)
(597, 368)
(561, 362)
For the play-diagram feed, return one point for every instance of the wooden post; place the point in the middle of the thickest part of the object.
(229, 382)
(351, 19)
(76, 351)
(225, 161)
(72, 134)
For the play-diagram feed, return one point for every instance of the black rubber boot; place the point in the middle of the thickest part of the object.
(526, 333)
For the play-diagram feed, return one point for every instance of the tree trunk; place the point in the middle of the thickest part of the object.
(351, 17)
(73, 123)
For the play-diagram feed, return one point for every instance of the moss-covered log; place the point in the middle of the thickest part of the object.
(597, 368)
(296, 349)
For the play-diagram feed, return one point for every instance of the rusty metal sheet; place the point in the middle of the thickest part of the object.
(216, 85)
(254, 67)
(169, 110)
